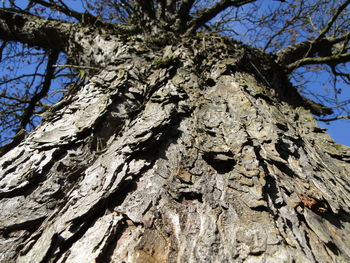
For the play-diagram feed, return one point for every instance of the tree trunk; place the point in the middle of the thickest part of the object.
(194, 152)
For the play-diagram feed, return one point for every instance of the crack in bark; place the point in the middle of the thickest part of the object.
(34, 179)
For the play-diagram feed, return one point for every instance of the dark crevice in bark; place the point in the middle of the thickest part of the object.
(157, 147)
(189, 196)
(270, 189)
(282, 127)
(109, 203)
(9, 162)
(344, 158)
(82, 224)
(55, 241)
(117, 197)
(335, 219)
(264, 97)
(150, 92)
(30, 226)
(34, 180)
(343, 216)
(105, 127)
(222, 162)
(301, 217)
(283, 149)
(83, 134)
(261, 208)
(289, 223)
(73, 174)
(154, 143)
(258, 253)
(285, 168)
(296, 141)
(210, 82)
(333, 248)
(112, 242)
(307, 239)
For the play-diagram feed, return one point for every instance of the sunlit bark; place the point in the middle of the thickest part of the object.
(197, 151)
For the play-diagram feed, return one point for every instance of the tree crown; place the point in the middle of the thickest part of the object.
(301, 36)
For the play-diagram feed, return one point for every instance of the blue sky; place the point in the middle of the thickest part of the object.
(339, 131)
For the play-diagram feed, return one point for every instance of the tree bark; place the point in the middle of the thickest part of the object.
(198, 151)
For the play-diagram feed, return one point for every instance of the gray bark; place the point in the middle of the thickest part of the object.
(195, 152)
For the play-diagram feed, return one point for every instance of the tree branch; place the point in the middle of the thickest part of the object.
(2, 47)
(19, 77)
(316, 108)
(50, 70)
(15, 141)
(185, 7)
(319, 50)
(286, 25)
(34, 31)
(340, 9)
(335, 118)
(171, 6)
(147, 7)
(207, 14)
(127, 6)
(310, 51)
(184, 13)
(76, 66)
(335, 59)
(345, 76)
(81, 17)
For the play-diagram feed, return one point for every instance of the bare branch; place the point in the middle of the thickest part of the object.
(34, 31)
(19, 77)
(340, 9)
(185, 7)
(335, 118)
(86, 17)
(147, 7)
(25, 118)
(344, 76)
(320, 49)
(15, 141)
(76, 66)
(2, 47)
(126, 5)
(335, 59)
(184, 13)
(207, 14)
(286, 25)
(313, 52)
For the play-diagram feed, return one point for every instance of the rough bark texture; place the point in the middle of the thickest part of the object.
(194, 152)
